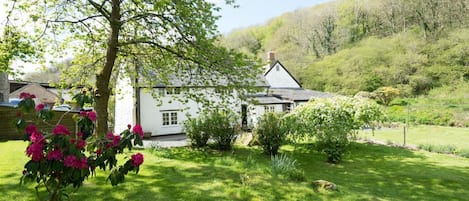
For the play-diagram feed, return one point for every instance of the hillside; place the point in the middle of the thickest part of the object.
(349, 46)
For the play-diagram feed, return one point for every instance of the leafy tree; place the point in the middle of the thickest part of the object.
(150, 39)
(13, 45)
(385, 95)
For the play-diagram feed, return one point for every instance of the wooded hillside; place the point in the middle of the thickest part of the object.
(349, 46)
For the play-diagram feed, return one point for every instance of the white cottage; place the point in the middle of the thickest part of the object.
(280, 92)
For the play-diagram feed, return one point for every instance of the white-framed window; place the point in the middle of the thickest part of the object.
(170, 118)
(171, 91)
(269, 108)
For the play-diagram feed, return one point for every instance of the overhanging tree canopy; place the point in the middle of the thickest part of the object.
(147, 38)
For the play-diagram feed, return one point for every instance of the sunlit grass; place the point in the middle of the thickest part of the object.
(368, 172)
(417, 135)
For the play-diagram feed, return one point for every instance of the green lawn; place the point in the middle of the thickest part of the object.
(436, 135)
(369, 172)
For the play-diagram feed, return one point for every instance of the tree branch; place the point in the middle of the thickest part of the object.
(77, 21)
(174, 52)
(101, 9)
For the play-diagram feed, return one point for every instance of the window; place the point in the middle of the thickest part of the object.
(222, 90)
(170, 91)
(170, 118)
(161, 91)
(269, 108)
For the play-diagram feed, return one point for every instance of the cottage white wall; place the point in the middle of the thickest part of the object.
(278, 77)
(256, 111)
(124, 105)
(151, 111)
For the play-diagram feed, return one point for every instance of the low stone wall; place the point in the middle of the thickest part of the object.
(8, 130)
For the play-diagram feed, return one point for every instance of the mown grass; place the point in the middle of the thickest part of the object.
(368, 172)
(422, 135)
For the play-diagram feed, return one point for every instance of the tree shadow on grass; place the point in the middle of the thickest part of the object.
(375, 172)
(192, 175)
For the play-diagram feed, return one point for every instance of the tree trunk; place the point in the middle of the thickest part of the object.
(4, 87)
(103, 76)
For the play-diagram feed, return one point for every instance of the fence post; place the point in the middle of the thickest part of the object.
(404, 135)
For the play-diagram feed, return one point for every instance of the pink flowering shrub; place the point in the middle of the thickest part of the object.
(61, 158)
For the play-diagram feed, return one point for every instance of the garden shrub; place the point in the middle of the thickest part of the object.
(281, 164)
(333, 121)
(222, 127)
(59, 157)
(196, 132)
(270, 132)
(384, 95)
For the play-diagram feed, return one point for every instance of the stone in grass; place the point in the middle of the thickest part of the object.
(323, 184)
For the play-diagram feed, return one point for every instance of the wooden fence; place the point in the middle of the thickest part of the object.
(8, 130)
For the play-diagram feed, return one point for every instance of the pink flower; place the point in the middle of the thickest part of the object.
(98, 152)
(82, 164)
(54, 155)
(35, 151)
(31, 128)
(137, 159)
(73, 141)
(138, 130)
(82, 113)
(70, 161)
(25, 95)
(116, 140)
(81, 144)
(129, 126)
(39, 107)
(74, 162)
(61, 130)
(79, 134)
(92, 115)
(36, 137)
(110, 136)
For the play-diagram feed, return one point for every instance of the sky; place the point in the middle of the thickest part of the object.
(256, 12)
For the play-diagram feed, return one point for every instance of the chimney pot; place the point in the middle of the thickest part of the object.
(271, 57)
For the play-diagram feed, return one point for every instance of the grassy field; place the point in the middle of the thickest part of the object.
(416, 135)
(369, 172)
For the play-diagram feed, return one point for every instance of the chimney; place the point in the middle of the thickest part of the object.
(271, 57)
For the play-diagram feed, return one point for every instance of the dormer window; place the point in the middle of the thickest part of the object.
(277, 68)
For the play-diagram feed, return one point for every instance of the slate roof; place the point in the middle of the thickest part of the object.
(265, 99)
(42, 94)
(186, 81)
(299, 94)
